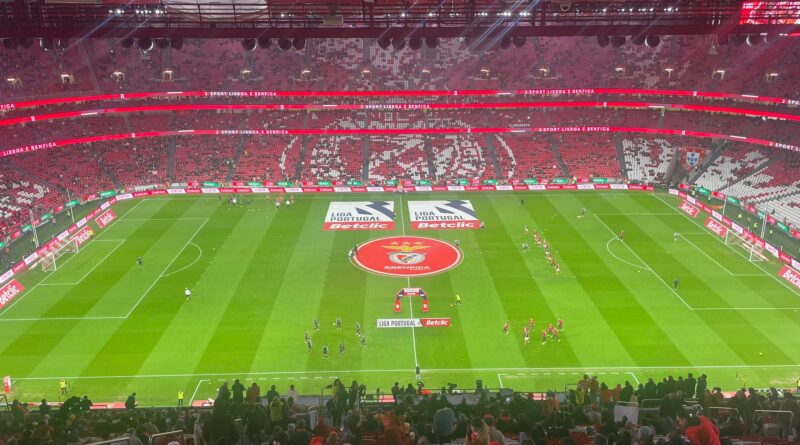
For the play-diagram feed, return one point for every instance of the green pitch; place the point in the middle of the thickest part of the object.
(260, 277)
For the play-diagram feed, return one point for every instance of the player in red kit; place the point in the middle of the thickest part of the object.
(505, 329)
(560, 324)
(555, 335)
(544, 336)
(531, 323)
(550, 329)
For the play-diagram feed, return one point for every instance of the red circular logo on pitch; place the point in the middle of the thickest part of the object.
(407, 256)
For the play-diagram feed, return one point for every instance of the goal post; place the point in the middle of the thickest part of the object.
(755, 252)
(52, 257)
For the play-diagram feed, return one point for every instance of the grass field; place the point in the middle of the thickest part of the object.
(260, 277)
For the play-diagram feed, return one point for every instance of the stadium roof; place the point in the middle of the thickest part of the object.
(390, 18)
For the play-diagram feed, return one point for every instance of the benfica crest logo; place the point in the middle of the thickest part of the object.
(407, 256)
(691, 157)
(406, 253)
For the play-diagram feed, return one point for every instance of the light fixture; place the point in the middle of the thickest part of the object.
(652, 41)
(298, 43)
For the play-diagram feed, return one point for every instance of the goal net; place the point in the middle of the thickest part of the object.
(754, 251)
(52, 258)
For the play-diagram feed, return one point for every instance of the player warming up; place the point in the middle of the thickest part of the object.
(338, 323)
(187, 293)
(139, 261)
(676, 283)
(457, 302)
(621, 236)
(316, 325)
(675, 236)
(325, 352)
(505, 328)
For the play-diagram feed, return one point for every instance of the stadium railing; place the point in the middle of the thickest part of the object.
(772, 423)
(119, 440)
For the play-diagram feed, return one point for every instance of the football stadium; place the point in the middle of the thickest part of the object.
(381, 222)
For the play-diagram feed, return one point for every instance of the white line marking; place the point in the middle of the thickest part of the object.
(190, 264)
(166, 268)
(499, 379)
(768, 273)
(648, 266)
(197, 388)
(635, 214)
(620, 259)
(60, 318)
(165, 219)
(105, 231)
(707, 255)
(429, 370)
(634, 378)
(93, 268)
(408, 281)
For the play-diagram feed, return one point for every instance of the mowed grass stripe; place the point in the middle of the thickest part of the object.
(296, 293)
(585, 330)
(635, 328)
(136, 336)
(667, 266)
(237, 333)
(343, 295)
(37, 343)
(696, 341)
(521, 296)
(451, 347)
(216, 287)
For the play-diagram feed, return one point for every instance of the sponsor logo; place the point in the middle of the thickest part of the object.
(6, 276)
(435, 322)
(30, 258)
(716, 227)
(106, 218)
(9, 291)
(84, 235)
(689, 209)
(457, 214)
(407, 256)
(413, 322)
(790, 275)
(360, 215)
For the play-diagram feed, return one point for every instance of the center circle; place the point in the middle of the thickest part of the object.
(407, 256)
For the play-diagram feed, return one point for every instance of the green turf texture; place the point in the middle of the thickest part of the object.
(259, 278)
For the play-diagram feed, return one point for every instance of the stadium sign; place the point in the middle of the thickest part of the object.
(456, 214)
(716, 227)
(360, 215)
(689, 209)
(106, 218)
(407, 256)
(83, 235)
(9, 291)
(790, 275)
(413, 322)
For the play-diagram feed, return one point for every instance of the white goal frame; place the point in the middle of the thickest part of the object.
(51, 258)
(755, 253)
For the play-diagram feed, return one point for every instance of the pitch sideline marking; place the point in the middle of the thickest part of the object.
(166, 268)
(190, 264)
(431, 370)
(17, 300)
(534, 374)
(648, 266)
(784, 284)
